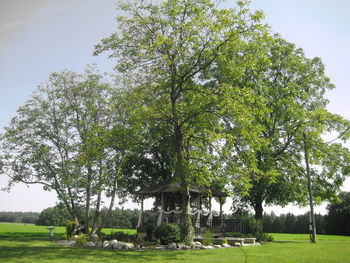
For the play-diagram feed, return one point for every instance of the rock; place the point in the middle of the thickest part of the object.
(197, 243)
(99, 244)
(89, 244)
(68, 243)
(172, 246)
(192, 244)
(129, 245)
(185, 247)
(161, 247)
(106, 244)
(201, 247)
(237, 244)
(179, 245)
(209, 247)
(217, 246)
(94, 237)
(114, 244)
(225, 245)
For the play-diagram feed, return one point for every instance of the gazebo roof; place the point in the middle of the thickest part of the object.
(169, 186)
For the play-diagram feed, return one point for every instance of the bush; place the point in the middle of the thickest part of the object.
(258, 232)
(71, 227)
(224, 241)
(81, 240)
(207, 237)
(168, 233)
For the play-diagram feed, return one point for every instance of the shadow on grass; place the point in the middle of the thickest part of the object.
(26, 236)
(59, 253)
(290, 241)
(34, 246)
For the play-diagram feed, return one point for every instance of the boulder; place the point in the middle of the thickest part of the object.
(208, 247)
(179, 245)
(106, 244)
(129, 245)
(225, 245)
(185, 247)
(197, 243)
(161, 247)
(99, 244)
(217, 246)
(172, 246)
(237, 244)
(89, 244)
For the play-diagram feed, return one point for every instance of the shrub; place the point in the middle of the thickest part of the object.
(71, 227)
(207, 237)
(257, 231)
(224, 241)
(81, 240)
(168, 233)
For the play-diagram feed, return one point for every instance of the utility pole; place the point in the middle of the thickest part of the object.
(312, 222)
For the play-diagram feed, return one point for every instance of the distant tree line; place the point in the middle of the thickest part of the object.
(335, 222)
(289, 223)
(118, 218)
(19, 217)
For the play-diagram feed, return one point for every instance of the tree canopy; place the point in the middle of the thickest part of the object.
(205, 96)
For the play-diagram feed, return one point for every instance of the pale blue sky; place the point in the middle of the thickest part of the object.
(38, 37)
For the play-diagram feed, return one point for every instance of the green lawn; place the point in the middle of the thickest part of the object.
(28, 243)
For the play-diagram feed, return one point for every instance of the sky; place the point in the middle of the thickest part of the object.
(39, 37)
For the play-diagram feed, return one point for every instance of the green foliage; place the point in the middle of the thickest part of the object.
(53, 216)
(176, 92)
(82, 239)
(71, 227)
(289, 223)
(224, 241)
(207, 236)
(338, 218)
(168, 233)
(19, 217)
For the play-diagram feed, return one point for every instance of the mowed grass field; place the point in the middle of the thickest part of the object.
(29, 243)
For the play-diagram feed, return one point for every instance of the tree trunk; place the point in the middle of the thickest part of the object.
(88, 200)
(111, 204)
(98, 202)
(179, 169)
(258, 209)
(311, 198)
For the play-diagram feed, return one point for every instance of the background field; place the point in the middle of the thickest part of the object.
(29, 243)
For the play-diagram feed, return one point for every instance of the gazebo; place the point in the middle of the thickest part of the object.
(167, 206)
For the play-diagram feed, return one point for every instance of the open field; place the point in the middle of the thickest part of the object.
(28, 243)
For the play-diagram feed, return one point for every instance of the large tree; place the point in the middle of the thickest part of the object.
(69, 137)
(290, 97)
(165, 51)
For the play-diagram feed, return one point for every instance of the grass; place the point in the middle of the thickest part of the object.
(29, 243)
